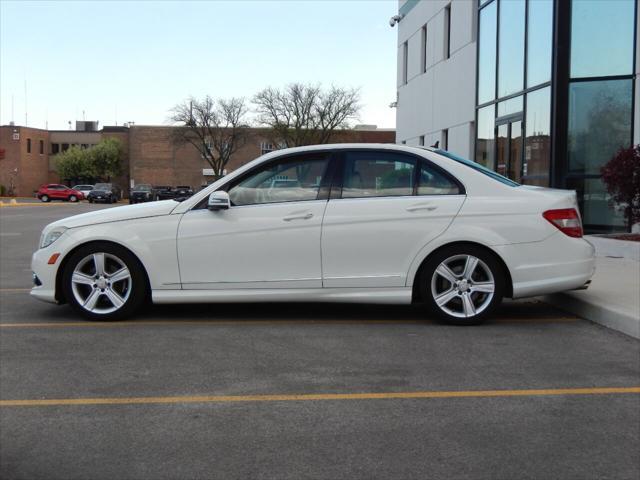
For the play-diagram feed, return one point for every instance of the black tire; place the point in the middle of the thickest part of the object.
(73, 198)
(464, 297)
(136, 287)
(90, 200)
(45, 198)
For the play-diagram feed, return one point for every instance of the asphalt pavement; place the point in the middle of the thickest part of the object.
(305, 391)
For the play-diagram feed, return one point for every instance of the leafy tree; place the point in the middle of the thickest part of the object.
(216, 128)
(106, 158)
(621, 175)
(74, 165)
(303, 114)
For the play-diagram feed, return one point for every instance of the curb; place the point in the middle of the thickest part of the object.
(609, 247)
(609, 316)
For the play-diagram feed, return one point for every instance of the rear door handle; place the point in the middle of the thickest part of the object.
(415, 208)
(304, 216)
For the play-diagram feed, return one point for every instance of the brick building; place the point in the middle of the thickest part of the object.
(150, 154)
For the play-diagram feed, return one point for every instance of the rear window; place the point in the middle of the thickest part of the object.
(476, 166)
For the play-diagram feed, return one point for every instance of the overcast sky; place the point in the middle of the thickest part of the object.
(132, 61)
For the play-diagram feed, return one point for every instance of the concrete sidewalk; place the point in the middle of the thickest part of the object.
(613, 298)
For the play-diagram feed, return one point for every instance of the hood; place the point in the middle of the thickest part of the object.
(117, 214)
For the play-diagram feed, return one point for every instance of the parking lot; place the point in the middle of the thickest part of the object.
(305, 391)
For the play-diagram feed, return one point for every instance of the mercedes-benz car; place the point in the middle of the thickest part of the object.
(335, 223)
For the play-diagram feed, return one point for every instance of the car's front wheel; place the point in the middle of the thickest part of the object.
(462, 285)
(73, 198)
(44, 198)
(104, 282)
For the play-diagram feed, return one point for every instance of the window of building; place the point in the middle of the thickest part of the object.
(511, 106)
(65, 147)
(41, 147)
(55, 148)
(487, 53)
(485, 136)
(28, 145)
(511, 47)
(405, 62)
(537, 144)
(266, 147)
(602, 37)
(447, 31)
(444, 139)
(421, 141)
(539, 41)
(599, 123)
(423, 52)
(288, 180)
(377, 174)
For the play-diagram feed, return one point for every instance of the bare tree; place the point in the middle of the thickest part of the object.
(216, 128)
(303, 114)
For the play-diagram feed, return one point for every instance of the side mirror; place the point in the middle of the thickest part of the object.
(219, 201)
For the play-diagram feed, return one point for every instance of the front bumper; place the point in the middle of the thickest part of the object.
(45, 274)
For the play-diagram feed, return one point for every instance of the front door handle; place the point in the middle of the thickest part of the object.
(304, 216)
(415, 208)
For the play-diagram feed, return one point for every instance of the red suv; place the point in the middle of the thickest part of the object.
(53, 191)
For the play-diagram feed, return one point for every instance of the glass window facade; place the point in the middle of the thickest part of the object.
(511, 47)
(485, 140)
(602, 40)
(599, 123)
(488, 30)
(537, 144)
(539, 41)
(557, 132)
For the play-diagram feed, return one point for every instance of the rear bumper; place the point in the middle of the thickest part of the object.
(556, 264)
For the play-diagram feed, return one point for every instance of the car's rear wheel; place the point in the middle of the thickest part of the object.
(463, 284)
(104, 281)
(44, 198)
(73, 198)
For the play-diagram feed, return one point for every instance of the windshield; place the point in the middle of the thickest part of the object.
(102, 186)
(142, 187)
(476, 166)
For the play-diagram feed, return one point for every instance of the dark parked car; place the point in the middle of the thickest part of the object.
(54, 191)
(183, 191)
(142, 192)
(163, 192)
(104, 192)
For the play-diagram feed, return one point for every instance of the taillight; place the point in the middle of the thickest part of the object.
(566, 220)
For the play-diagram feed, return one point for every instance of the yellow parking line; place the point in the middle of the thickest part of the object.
(317, 397)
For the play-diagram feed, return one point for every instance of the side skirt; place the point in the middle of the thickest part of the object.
(398, 295)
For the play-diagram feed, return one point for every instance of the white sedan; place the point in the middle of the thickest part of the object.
(336, 223)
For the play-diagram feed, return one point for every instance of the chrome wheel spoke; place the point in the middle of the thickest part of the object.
(81, 279)
(446, 273)
(483, 287)
(470, 267)
(446, 297)
(122, 274)
(98, 262)
(115, 299)
(467, 305)
(92, 299)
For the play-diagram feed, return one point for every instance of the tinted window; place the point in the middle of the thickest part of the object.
(486, 142)
(487, 53)
(599, 123)
(377, 174)
(537, 146)
(539, 38)
(511, 47)
(602, 37)
(290, 180)
(433, 182)
(479, 168)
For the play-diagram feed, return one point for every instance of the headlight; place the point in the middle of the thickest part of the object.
(51, 236)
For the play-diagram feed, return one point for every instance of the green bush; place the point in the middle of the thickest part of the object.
(3, 190)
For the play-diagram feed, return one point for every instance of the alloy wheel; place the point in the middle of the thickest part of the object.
(101, 283)
(463, 286)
